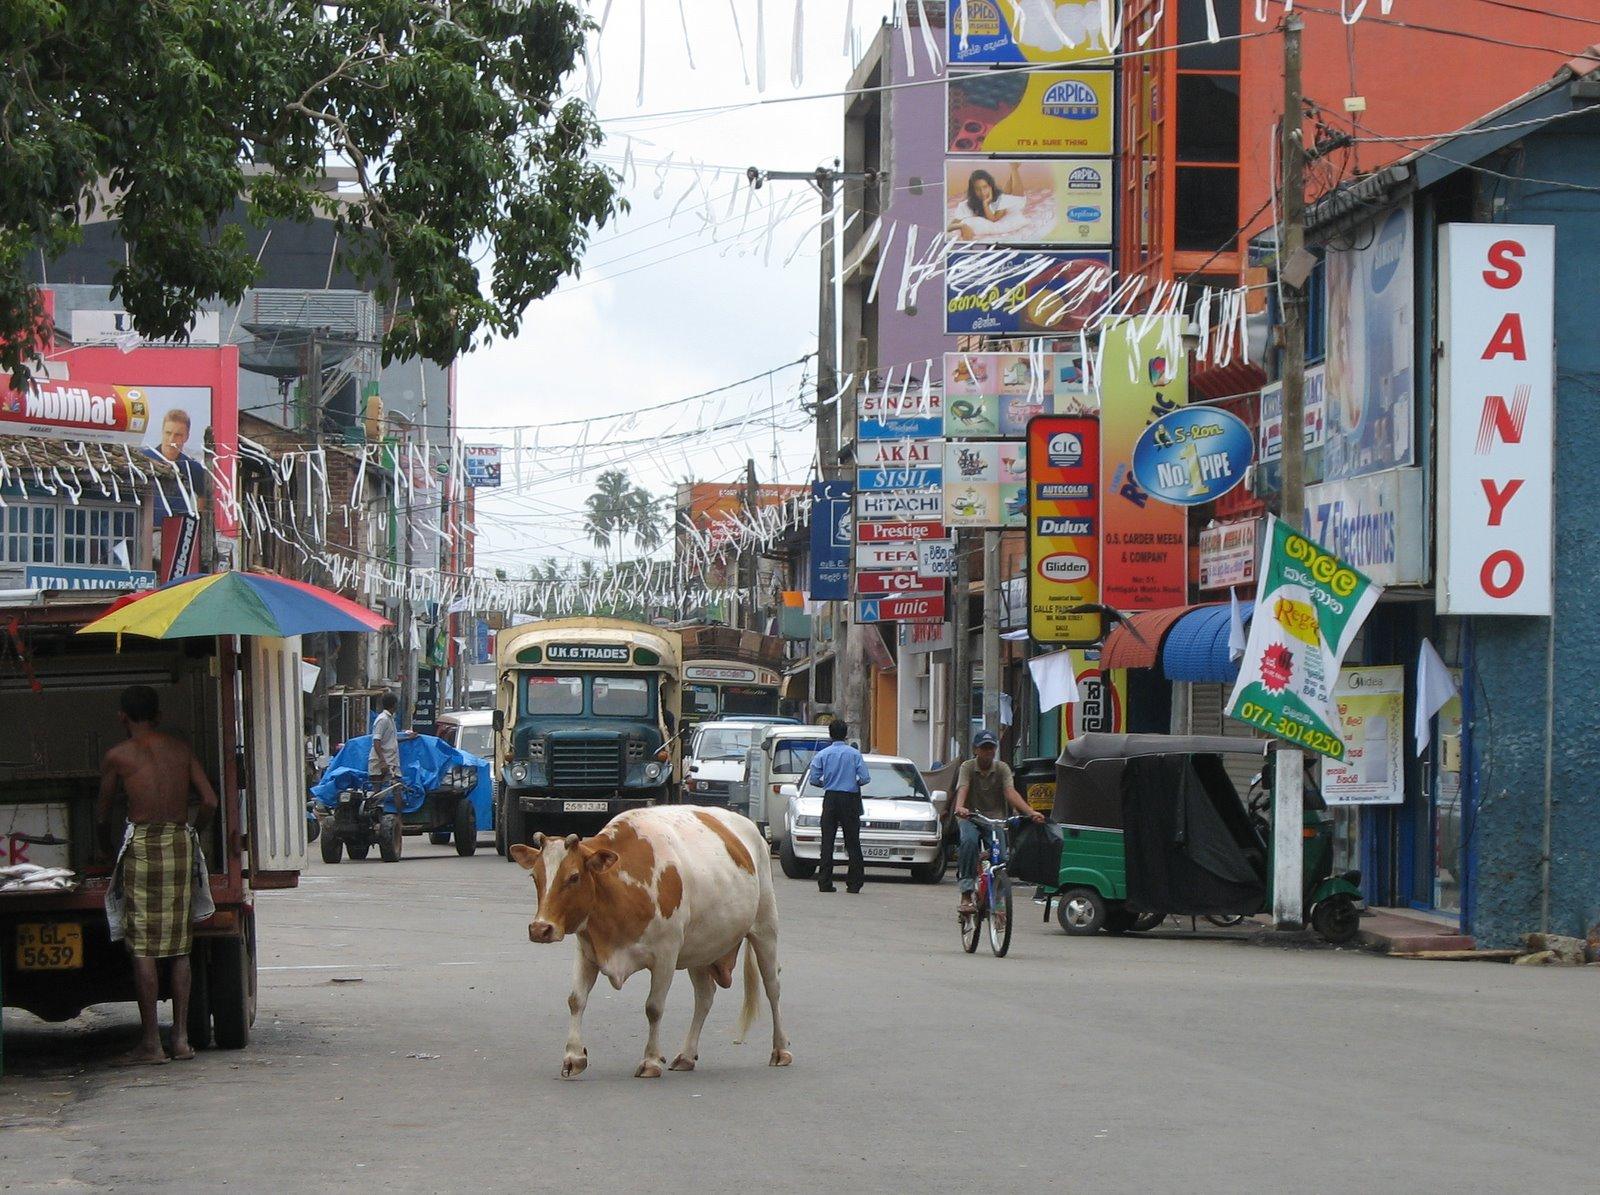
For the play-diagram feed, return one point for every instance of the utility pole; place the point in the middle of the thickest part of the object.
(991, 631)
(960, 655)
(1288, 796)
(835, 418)
(752, 562)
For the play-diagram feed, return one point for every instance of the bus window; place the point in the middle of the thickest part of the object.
(552, 695)
(700, 701)
(748, 699)
(621, 697)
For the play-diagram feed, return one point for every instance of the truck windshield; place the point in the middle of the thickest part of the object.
(724, 743)
(552, 695)
(791, 757)
(749, 699)
(621, 697)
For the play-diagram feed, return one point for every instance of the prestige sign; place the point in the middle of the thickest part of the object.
(1496, 418)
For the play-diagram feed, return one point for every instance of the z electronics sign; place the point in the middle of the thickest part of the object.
(1063, 528)
(1496, 418)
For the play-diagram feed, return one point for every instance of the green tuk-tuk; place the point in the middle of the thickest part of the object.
(1152, 825)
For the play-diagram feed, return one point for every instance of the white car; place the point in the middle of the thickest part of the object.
(718, 761)
(901, 824)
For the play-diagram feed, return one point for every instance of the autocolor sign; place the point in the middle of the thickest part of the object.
(1497, 418)
(1192, 455)
(1063, 528)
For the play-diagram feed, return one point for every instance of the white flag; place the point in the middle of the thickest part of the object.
(1055, 680)
(1236, 636)
(1435, 687)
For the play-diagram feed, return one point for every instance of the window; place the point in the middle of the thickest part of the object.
(889, 781)
(1207, 210)
(476, 740)
(791, 757)
(1206, 175)
(723, 743)
(702, 700)
(90, 535)
(552, 695)
(621, 697)
(749, 699)
(30, 534)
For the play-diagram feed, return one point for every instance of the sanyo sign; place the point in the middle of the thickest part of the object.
(1496, 418)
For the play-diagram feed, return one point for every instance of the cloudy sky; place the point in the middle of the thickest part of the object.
(684, 294)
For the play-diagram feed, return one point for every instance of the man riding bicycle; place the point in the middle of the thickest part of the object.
(985, 786)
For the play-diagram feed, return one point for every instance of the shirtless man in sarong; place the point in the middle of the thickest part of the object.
(157, 772)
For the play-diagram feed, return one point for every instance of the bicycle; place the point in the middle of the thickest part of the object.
(992, 899)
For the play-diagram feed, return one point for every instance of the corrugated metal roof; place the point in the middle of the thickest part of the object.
(1136, 642)
(1196, 647)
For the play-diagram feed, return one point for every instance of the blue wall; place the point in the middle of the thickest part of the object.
(1508, 715)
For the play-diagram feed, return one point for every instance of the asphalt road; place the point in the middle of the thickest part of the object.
(410, 1039)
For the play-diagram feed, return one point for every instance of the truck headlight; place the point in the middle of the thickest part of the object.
(652, 770)
(519, 773)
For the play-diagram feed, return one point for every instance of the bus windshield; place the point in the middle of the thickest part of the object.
(552, 695)
(621, 696)
(749, 699)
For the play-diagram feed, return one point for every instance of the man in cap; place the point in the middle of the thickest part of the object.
(984, 785)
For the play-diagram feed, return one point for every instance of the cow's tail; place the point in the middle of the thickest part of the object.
(752, 977)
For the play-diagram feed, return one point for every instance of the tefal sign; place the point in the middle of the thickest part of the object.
(1496, 418)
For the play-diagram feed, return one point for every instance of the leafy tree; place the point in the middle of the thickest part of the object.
(162, 115)
(608, 511)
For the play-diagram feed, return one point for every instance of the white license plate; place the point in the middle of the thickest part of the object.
(583, 806)
(876, 852)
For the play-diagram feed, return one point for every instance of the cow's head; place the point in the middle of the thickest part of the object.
(565, 871)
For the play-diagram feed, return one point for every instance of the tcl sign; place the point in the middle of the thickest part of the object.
(1497, 418)
(904, 583)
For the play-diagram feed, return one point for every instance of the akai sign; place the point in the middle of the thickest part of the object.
(1496, 418)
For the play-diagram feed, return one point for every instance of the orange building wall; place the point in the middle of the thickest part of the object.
(1414, 81)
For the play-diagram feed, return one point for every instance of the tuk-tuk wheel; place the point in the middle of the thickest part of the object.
(1336, 920)
(1081, 911)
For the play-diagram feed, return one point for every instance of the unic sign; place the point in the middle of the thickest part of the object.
(1496, 418)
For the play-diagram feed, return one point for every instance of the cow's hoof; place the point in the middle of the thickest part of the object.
(780, 1058)
(648, 1070)
(680, 1063)
(574, 1065)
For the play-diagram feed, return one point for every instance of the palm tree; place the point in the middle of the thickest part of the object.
(644, 520)
(608, 511)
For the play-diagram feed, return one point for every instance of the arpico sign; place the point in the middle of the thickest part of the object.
(1496, 418)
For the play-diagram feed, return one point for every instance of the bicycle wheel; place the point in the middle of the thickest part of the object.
(1000, 913)
(972, 925)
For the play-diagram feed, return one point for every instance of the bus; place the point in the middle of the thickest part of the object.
(728, 673)
(587, 723)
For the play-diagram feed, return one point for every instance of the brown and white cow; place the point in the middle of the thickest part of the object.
(664, 889)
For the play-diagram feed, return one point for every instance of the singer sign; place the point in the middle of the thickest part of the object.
(1496, 418)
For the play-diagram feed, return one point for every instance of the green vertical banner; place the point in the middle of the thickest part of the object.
(1309, 606)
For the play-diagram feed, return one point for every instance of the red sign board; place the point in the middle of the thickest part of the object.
(899, 583)
(1063, 528)
(77, 411)
(877, 533)
(899, 608)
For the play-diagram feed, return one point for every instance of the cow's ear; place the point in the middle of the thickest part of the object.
(524, 856)
(602, 860)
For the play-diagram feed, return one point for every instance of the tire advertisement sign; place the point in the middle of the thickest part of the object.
(1033, 113)
(1371, 703)
(1063, 512)
(1309, 606)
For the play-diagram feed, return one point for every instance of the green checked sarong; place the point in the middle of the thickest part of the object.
(157, 883)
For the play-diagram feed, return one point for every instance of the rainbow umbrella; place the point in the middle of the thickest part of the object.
(234, 603)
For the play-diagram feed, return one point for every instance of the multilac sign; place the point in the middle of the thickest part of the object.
(1496, 418)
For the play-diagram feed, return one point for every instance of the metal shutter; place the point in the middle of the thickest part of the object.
(1206, 703)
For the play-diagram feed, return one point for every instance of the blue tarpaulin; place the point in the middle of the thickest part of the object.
(424, 762)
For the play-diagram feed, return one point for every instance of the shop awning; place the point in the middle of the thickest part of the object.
(795, 681)
(1136, 641)
(1196, 648)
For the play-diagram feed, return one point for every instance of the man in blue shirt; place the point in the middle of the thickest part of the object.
(839, 771)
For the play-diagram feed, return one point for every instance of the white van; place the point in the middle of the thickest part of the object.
(718, 757)
(781, 756)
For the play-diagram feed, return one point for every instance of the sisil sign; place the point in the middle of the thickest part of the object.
(1496, 418)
